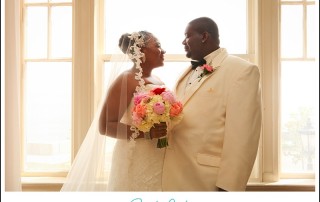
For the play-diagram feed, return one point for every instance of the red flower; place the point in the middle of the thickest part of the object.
(158, 91)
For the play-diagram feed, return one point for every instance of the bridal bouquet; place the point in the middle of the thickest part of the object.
(155, 106)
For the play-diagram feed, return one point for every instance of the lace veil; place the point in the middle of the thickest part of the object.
(91, 167)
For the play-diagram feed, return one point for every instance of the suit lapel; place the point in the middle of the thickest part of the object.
(214, 62)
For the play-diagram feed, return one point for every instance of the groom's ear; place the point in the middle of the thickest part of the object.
(205, 36)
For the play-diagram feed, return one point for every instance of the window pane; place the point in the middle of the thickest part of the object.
(174, 69)
(61, 42)
(47, 116)
(170, 27)
(110, 73)
(36, 32)
(299, 82)
(311, 25)
(291, 31)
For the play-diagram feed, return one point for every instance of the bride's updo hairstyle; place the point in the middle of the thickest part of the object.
(126, 41)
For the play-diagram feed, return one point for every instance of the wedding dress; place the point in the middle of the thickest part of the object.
(109, 164)
(136, 166)
(104, 163)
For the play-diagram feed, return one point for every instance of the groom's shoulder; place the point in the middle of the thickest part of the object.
(237, 62)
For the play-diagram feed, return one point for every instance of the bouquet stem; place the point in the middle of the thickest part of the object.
(162, 142)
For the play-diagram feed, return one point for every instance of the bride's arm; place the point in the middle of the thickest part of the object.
(117, 102)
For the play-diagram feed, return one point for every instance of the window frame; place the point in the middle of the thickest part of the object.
(22, 74)
(304, 3)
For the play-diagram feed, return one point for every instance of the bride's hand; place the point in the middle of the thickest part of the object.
(159, 130)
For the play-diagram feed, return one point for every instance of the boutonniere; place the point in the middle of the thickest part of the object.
(207, 69)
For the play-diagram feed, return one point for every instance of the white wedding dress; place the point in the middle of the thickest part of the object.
(104, 163)
(136, 165)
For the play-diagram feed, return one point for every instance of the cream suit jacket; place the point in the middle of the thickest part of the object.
(215, 144)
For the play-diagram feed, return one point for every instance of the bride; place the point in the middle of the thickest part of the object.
(135, 163)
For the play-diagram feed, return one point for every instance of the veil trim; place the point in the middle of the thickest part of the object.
(135, 54)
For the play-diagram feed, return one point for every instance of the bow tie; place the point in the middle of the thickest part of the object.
(196, 64)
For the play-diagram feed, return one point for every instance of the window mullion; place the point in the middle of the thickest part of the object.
(21, 78)
(304, 53)
(268, 36)
(83, 73)
(251, 30)
(49, 32)
(99, 27)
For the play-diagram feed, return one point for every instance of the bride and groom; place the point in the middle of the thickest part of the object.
(212, 148)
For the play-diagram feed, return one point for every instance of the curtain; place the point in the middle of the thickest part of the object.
(12, 96)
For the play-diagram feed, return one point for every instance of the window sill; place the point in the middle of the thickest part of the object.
(55, 184)
(283, 185)
(42, 183)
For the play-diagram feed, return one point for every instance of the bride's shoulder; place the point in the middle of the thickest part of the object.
(129, 76)
(125, 78)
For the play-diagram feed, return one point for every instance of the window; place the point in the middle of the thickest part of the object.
(299, 88)
(47, 86)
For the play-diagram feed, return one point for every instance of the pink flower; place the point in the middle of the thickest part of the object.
(207, 69)
(176, 109)
(136, 119)
(159, 108)
(139, 97)
(168, 96)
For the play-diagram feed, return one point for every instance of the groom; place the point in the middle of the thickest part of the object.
(215, 145)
